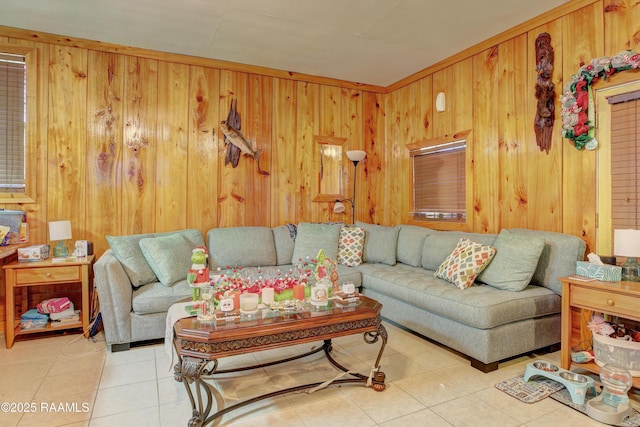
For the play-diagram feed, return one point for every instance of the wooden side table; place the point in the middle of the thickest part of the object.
(25, 274)
(580, 299)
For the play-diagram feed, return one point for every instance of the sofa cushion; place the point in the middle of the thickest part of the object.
(380, 243)
(127, 250)
(482, 307)
(351, 246)
(515, 262)
(313, 237)
(464, 264)
(251, 246)
(284, 237)
(169, 256)
(558, 258)
(157, 298)
(410, 244)
(439, 244)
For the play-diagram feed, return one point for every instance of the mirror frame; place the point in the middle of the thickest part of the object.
(329, 140)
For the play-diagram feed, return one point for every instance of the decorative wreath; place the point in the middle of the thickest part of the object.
(577, 100)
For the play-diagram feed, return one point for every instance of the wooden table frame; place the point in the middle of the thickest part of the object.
(580, 299)
(22, 275)
(200, 345)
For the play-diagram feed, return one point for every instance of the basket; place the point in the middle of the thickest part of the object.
(619, 352)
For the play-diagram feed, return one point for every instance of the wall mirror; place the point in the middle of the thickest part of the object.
(330, 168)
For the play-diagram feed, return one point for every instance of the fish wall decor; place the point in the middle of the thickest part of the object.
(236, 143)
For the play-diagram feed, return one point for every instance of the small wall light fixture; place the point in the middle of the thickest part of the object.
(441, 102)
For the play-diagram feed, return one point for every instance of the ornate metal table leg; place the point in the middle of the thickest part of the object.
(189, 371)
(377, 381)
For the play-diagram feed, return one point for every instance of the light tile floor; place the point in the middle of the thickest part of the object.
(70, 381)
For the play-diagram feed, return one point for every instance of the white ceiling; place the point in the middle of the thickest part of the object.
(375, 42)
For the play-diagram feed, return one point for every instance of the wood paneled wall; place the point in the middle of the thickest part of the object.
(130, 142)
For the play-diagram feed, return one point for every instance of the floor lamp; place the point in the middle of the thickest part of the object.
(356, 156)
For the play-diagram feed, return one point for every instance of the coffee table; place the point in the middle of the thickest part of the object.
(200, 345)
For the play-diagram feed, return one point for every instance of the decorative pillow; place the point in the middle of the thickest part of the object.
(168, 256)
(515, 261)
(380, 243)
(313, 237)
(351, 246)
(464, 264)
(284, 238)
(250, 246)
(410, 244)
(126, 249)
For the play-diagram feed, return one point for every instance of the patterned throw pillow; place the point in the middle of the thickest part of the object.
(350, 246)
(463, 265)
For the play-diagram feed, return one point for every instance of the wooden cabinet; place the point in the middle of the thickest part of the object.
(580, 299)
(22, 275)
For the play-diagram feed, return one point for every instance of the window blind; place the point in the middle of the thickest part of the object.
(625, 164)
(439, 182)
(12, 123)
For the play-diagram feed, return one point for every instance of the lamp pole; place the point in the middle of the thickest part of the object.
(356, 156)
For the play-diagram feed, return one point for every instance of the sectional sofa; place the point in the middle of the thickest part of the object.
(495, 297)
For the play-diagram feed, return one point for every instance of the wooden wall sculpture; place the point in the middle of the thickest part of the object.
(545, 92)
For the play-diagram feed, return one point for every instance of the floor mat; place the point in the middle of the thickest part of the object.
(530, 391)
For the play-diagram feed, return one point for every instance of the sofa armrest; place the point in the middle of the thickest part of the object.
(114, 294)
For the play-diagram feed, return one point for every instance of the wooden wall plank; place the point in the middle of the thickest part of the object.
(258, 129)
(138, 207)
(486, 140)
(352, 109)
(621, 26)
(231, 182)
(307, 124)
(172, 143)
(513, 167)
(104, 145)
(544, 173)
(284, 173)
(583, 31)
(375, 135)
(202, 154)
(67, 146)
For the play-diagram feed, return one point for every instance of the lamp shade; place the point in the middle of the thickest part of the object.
(356, 155)
(626, 243)
(338, 207)
(60, 230)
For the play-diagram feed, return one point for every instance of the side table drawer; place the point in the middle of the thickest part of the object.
(605, 301)
(48, 275)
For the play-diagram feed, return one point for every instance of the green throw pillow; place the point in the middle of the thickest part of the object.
(168, 256)
(313, 237)
(126, 249)
(515, 262)
(380, 243)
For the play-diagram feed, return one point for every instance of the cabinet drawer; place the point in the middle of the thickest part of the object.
(605, 301)
(48, 275)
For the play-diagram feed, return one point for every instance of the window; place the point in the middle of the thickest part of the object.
(625, 160)
(439, 181)
(12, 123)
(617, 206)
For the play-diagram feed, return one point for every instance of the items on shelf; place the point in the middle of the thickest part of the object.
(54, 305)
(32, 319)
